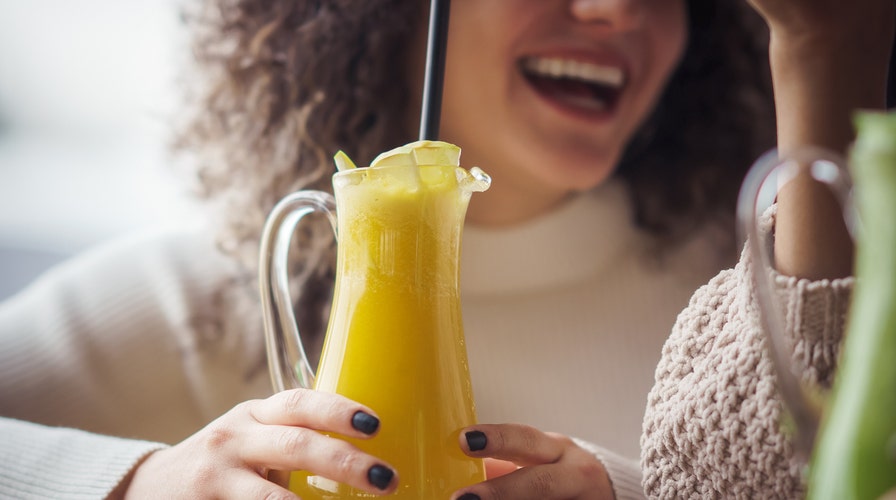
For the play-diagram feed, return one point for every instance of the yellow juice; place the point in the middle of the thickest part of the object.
(395, 340)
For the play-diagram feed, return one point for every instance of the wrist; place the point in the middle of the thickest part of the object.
(121, 490)
(858, 30)
(863, 52)
(820, 80)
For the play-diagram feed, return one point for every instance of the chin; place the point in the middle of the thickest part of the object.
(584, 183)
(575, 172)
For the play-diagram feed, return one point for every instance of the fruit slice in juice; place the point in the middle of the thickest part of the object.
(343, 162)
(420, 153)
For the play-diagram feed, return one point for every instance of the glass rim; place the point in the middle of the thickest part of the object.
(363, 170)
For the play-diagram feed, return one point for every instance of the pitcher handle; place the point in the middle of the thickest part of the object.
(830, 169)
(287, 361)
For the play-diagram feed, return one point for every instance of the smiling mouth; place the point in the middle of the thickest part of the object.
(581, 85)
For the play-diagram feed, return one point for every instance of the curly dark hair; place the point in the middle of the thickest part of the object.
(281, 86)
(286, 83)
(714, 119)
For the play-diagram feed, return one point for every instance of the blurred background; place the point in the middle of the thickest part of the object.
(87, 94)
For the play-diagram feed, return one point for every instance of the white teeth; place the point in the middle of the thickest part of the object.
(564, 68)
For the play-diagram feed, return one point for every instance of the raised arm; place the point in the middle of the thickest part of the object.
(828, 58)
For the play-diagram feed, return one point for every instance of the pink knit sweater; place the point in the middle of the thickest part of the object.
(712, 427)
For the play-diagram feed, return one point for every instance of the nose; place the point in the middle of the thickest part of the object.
(618, 14)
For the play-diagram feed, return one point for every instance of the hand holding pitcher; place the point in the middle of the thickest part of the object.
(235, 455)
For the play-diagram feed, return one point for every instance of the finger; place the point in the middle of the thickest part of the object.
(496, 468)
(541, 482)
(520, 444)
(299, 448)
(318, 410)
(241, 483)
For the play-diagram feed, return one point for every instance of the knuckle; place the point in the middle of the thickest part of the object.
(542, 483)
(295, 400)
(341, 409)
(278, 495)
(563, 439)
(501, 440)
(264, 490)
(293, 441)
(346, 462)
(494, 493)
(243, 408)
(529, 437)
(591, 469)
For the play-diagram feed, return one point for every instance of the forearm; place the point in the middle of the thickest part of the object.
(820, 80)
(821, 76)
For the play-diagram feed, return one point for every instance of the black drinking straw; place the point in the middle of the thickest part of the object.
(434, 76)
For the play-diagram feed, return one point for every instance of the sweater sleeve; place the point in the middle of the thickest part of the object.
(55, 462)
(120, 341)
(624, 473)
(713, 422)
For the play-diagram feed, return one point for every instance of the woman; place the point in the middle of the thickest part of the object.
(633, 118)
(547, 97)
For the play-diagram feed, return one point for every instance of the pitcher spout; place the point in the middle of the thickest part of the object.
(473, 181)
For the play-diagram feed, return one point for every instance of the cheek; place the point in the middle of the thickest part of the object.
(667, 33)
(671, 35)
(476, 68)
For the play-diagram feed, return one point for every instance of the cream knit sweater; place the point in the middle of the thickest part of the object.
(712, 427)
(565, 317)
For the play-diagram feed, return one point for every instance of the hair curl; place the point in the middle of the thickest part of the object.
(286, 83)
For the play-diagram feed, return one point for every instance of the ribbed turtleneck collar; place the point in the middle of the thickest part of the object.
(576, 240)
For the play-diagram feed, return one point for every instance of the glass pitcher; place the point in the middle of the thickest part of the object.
(849, 435)
(395, 337)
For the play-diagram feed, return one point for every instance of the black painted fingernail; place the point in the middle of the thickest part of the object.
(365, 422)
(380, 476)
(469, 496)
(476, 441)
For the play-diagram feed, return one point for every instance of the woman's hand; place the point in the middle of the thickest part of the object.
(531, 464)
(233, 456)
